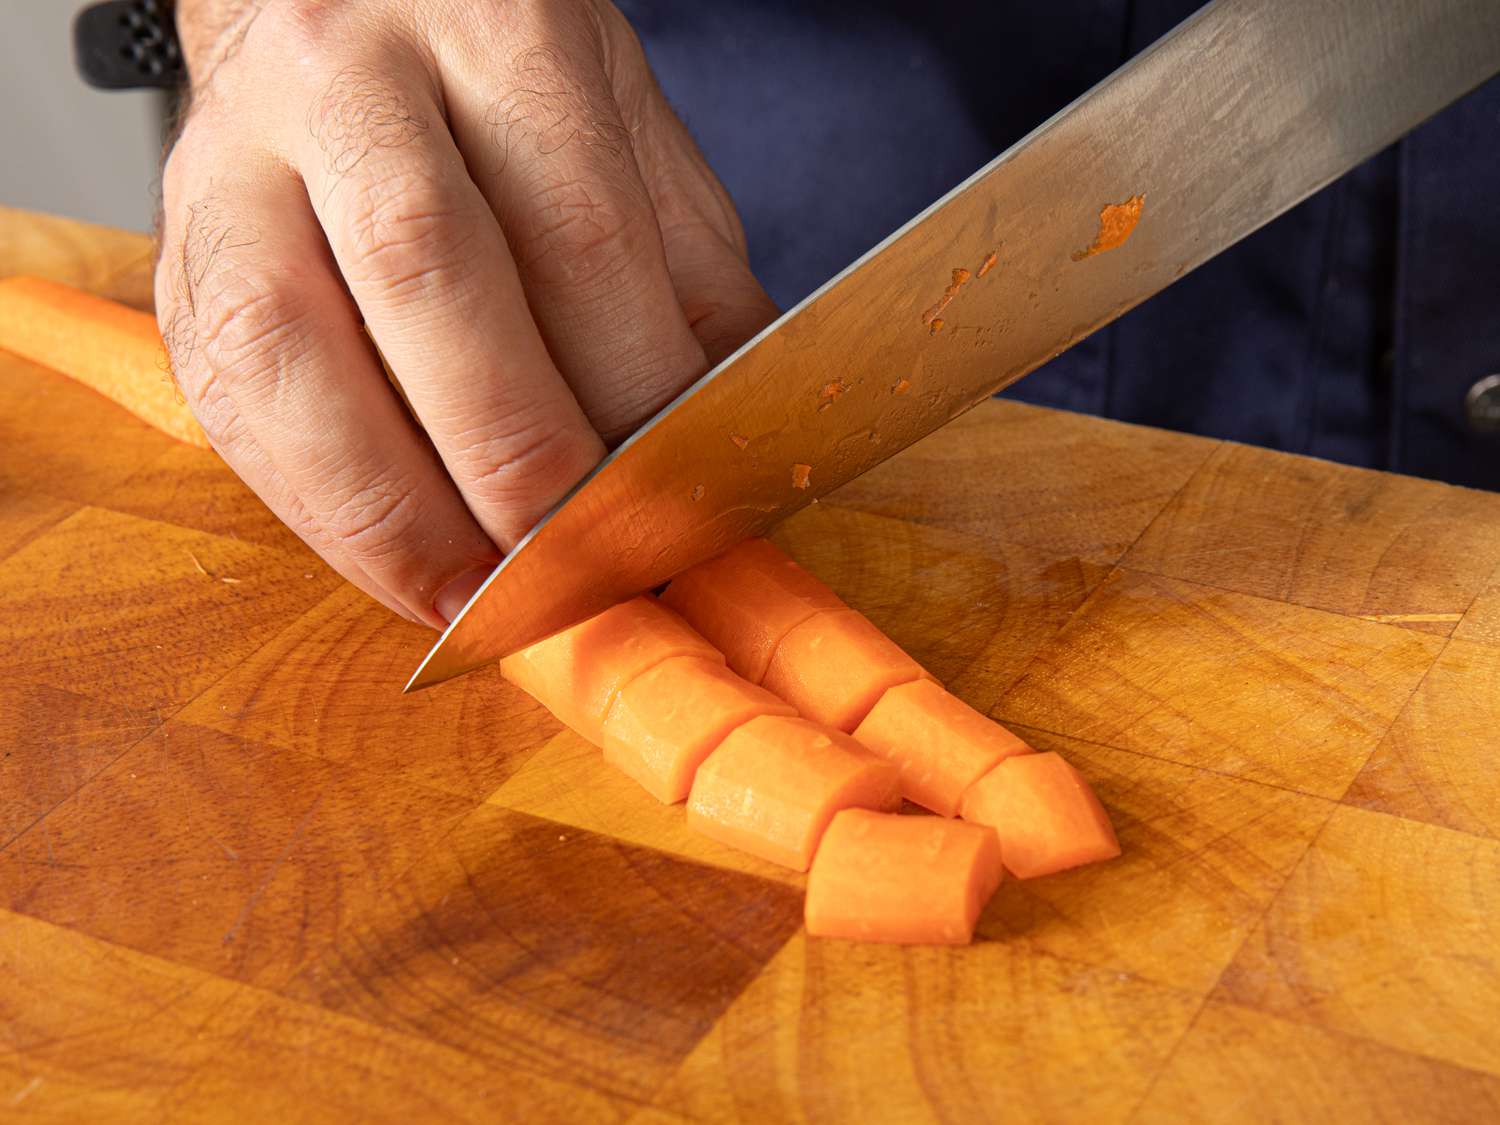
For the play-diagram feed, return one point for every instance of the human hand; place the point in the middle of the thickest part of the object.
(498, 191)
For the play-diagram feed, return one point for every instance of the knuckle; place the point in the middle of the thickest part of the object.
(375, 524)
(245, 326)
(307, 22)
(360, 111)
(524, 471)
(577, 233)
(408, 238)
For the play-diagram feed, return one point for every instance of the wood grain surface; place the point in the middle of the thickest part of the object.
(243, 879)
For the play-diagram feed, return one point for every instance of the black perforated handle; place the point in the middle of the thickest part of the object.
(127, 44)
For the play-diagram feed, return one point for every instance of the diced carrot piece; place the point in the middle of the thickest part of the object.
(909, 879)
(940, 744)
(773, 785)
(835, 665)
(671, 717)
(110, 347)
(577, 673)
(1047, 816)
(746, 600)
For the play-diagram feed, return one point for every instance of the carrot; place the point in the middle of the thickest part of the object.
(746, 600)
(909, 879)
(110, 347)
(667, 720)
(940, 744)
(834, 667)
(576, 674)
(1047, 816)
(773, 785)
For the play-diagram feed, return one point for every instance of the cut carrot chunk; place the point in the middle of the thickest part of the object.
(746, 600)
(773, 785)
(110, 347)
(671, 717)
(1047, 816)
(835, 665)
(940, 744)
(577, 673)
(910, 879)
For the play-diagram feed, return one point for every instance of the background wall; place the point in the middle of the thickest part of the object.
(65, 147)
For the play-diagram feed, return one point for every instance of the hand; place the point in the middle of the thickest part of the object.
(498, 192)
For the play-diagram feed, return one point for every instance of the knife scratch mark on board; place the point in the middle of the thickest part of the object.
(1116, 224)
(264, 884)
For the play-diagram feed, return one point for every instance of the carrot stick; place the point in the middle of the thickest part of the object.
(746, 600)
(909, 879)
(773, 785)
(667, 720)
(940, 744)
(114, 349)
(1047, 816)
(576, 674)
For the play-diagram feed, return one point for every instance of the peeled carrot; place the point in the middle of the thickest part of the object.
(110, 347)
(667, 720)
(746, 600)
(835, 666)
(1046, 815)
(940, 744)
(773, 785)
(909, 879)
(576, 674)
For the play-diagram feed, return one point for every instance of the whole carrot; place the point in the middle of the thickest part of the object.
(110, 347)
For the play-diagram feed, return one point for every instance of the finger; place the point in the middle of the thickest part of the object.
(239, 449)
(701, 232)
(545, 142)
(270, 353)
(429, 268)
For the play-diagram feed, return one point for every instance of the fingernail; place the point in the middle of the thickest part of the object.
(452, 597)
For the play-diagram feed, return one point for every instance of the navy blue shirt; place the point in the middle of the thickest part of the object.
(1351, 328)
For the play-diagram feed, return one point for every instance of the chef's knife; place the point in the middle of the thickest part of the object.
(1239, 113)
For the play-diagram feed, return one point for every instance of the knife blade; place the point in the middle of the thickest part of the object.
(1236, 115)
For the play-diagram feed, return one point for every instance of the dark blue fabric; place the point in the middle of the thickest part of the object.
(1350, 328)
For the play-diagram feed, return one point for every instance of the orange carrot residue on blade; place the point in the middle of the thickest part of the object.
(1116, 222)
(110, 347)
(931, 316)
(801, 475)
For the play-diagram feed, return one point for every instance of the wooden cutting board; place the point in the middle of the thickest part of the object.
(243, 878)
